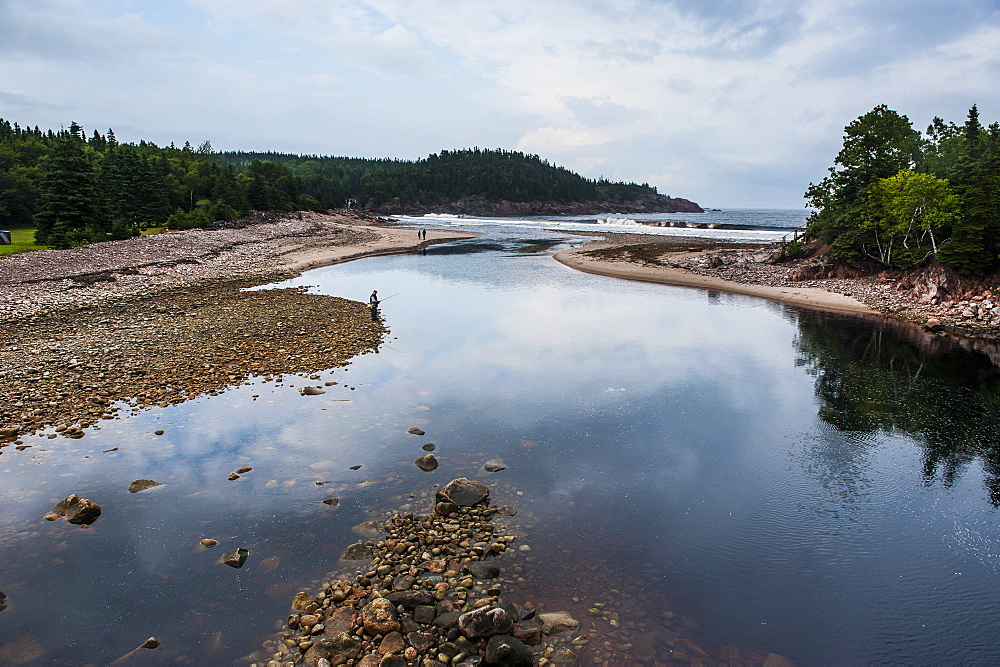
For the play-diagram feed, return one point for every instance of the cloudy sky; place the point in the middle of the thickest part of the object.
(726, 102)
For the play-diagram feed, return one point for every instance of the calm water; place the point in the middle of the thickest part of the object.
(749, 477)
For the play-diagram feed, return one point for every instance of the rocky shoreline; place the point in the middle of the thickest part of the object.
(157, 320)
(939, 302)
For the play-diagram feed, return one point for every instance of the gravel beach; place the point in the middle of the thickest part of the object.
(161, 319)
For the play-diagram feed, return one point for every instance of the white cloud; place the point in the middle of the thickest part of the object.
(728, 103)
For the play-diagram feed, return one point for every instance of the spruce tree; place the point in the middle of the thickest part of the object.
(69, 208)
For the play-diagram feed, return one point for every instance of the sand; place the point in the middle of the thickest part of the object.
(815, 298)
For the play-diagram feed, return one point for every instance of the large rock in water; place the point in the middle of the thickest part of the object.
(77, 510)
(557, 621)
(465, 492)
(508, 651)
(236, 557)
(427, 463)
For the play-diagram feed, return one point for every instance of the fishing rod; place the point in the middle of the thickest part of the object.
(388, 297)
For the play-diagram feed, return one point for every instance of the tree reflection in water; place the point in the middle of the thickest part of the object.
(886, 377)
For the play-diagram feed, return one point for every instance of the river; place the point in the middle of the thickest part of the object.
(715, 473)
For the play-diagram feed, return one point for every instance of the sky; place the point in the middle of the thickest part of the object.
(729, 103)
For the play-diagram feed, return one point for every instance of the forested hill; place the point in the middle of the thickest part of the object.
(77, 188)
(474, 181)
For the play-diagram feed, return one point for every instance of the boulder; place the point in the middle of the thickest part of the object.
(392, 643)
(494, 465)
(336, 650)
(379, 617)
(236, 557)
(508, 651)
(77, 510)
(485, 622)
(410, 598)
(465, 492)
(557, 621)
(142, 485)
(481, 570)
(427, 462)
(357, 551)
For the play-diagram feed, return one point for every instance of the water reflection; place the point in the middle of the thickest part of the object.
(898, 379)
(719, 470)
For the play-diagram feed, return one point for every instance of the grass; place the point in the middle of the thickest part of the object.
(22, 240)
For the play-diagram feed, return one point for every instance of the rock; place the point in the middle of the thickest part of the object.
(302, 600)
(142, 485)
(333, 502)
(421, 640)
(336, 650)
(233, 476)
(77, 510)
(507, 510)
(236, 557)
(494, 465)
(368, 529)
(403, 582)
(424, 614)
(482, 570)
(465, 492)
(379, 617)
(427, 463)
(208, 543)
(341, 620)
(243, 470)
(392, 643)
(564, 656)
(357, 467)
(158, 431)
(485, 622)
(429, 447)
(152, 642)
(445, 508)
(415, 431)
(557, 621)
(8, 434)
(392, 661)
(411, 598)
(311, 391)
(3, 601)
(508, 651)
(357, 551)
(529, 633)
(446, 620)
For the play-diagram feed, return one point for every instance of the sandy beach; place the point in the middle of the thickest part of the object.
(582, 259)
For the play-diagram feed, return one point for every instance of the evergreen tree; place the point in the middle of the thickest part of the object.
(69, 211)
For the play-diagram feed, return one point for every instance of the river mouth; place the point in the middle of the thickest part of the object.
(727, 473)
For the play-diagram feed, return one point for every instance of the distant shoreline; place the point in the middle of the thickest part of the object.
(811, 297)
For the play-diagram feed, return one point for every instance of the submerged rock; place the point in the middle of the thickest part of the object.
(333, 502)
(557, 621)
(208, 543)
(357, 551)
(415, 431)
(494, 465)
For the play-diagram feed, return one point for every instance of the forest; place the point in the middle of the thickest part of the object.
(76, 189)
(898, 198)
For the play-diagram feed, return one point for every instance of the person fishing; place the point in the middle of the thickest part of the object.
(373, 299)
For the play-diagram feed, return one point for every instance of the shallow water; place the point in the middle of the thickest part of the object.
(725, 474)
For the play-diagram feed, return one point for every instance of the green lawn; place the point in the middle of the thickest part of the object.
(22, 240)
